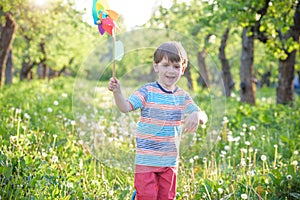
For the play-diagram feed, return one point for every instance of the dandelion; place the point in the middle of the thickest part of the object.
(263, 158)
(55, 103)
(26, 116)
(252, 128)
(191, 160)
(220, 181)
(13, 138)
(225, 120)
(220, 190)
(196, 157)
(289, 177)
(227, 148)
(54, 159)
(204, 160)
(44, 154)
(247, 143)
(296, 152)
(243, 162)
(18, 111)
(70, 185)
(49, 110)
(244, 196)
(65, 95)
(73, 122)
(295, 163)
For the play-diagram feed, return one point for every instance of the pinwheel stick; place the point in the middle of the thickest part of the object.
(113, 54)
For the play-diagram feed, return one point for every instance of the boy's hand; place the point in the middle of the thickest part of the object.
(192, 121)
(114, 85)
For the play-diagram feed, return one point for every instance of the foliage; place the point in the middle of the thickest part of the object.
(42, 157)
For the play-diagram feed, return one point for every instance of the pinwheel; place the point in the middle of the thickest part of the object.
(105, 19)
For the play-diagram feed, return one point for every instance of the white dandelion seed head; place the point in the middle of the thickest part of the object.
(263, 157)
(244, 196)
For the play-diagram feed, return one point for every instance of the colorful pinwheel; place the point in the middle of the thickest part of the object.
(104, 17)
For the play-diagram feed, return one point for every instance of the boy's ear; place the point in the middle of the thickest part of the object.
(182, 70)
(155, 67)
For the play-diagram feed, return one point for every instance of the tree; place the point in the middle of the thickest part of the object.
(288, 46)
(6, 39)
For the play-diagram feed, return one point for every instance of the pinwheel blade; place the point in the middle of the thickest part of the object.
(112, 14)
(108, 25)
(101, 30)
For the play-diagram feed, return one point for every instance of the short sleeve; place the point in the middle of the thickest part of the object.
(190, 105)
(138, 98)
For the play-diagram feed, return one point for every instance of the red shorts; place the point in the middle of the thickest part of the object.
(155, 183)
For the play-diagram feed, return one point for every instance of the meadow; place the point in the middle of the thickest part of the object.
(256, 155)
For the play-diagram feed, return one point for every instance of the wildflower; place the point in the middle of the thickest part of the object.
(289, 177)
(13, 138)
(275, 146)
(55, 103)
(18, 111)
(54, 136)
(295, 162)
(247, 143)
(196, 157)
(296, 152)
(244, 125)
(243, 162)
(64, 95)
(191, 160)
(73, 123)
(26, 116)
(204, 160)
(225, 120)
(49, 110)
(252, 128)
(70, 185)
(244, 196)
(220, 190)
(44, 154)
(220, 181)
(227, 148)
(263, 158)
(54, 159)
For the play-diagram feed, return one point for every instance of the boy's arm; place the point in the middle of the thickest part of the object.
(122, 103)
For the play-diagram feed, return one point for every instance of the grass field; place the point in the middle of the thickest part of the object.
(42, 155)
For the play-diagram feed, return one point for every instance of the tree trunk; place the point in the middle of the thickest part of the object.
(6, 39)
(26, 71)
(187, 74)
(227, 78)
(9, 69)
(203, 78)
(246, 69)
(285, 89)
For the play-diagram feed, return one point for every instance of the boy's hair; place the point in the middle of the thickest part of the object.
(173, 51)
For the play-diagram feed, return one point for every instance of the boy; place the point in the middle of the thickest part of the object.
(166, 111)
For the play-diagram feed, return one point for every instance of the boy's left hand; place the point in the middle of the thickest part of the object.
(192, 121)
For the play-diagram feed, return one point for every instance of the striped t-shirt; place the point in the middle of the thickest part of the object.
(159, 126)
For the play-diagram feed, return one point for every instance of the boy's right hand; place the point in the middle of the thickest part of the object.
(114, 85)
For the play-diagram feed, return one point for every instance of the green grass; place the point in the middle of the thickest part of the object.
(42, 155)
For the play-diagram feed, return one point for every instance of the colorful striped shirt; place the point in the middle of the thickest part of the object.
(159, 126)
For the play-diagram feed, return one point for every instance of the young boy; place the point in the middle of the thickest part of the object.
(166, 111)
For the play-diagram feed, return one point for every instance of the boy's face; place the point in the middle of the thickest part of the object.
(168, 73)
